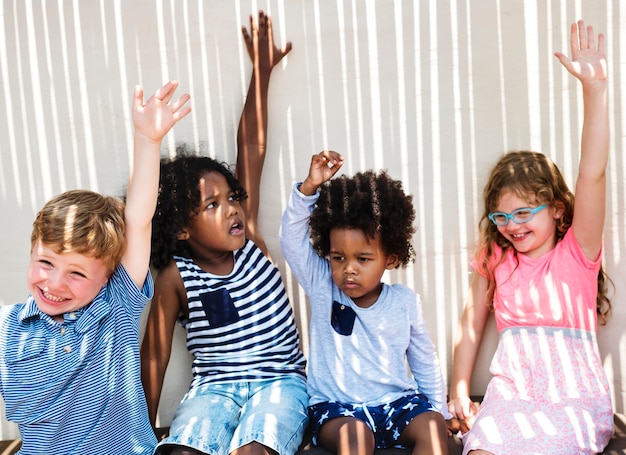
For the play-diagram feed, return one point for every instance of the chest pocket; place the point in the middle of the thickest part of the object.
(33, 360)
(219, 307)
(342, 319)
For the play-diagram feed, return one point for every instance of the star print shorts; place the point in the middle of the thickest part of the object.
(387, 421)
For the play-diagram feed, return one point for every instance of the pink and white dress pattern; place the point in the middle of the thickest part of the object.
(549, 393)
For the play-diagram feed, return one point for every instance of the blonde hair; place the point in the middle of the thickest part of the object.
(84, 222)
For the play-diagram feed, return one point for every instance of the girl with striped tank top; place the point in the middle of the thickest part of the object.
(248, 392)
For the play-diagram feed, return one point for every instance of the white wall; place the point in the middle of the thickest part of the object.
(433, 91)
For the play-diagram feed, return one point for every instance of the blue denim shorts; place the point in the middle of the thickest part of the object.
(219, 418)
(387, 421)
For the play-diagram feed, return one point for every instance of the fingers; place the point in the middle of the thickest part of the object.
(463, 408)
(582, 38)
(179, 108)
(265, 25)
(244, 32)
(601, 44)
(166, 92)
(253, 27)
(331, 158)
(583, 42)
(138, 97)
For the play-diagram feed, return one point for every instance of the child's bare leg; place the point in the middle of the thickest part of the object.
(347, 436)
(254, 448)
(185, 451)
(427, 433)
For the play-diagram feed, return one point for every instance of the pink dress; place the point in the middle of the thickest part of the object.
(548, 393)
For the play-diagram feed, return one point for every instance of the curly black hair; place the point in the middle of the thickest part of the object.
(372, 202)
(179, 200)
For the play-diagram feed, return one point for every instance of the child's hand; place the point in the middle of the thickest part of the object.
(323, 166)
(157, 116)
(463, 410)
(456, 426)
(260, 43)
(587, 63)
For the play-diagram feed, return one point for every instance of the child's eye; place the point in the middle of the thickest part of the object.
(79, 275)
(364, 259)
(336, 257)
(45, 263)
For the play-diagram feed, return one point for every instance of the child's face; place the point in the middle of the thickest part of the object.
(535, 237)
(357, 264)
(219, 226)
(61, 283)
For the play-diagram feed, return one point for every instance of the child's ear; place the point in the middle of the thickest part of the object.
(392, 261)
(559, 209)
(182, 235)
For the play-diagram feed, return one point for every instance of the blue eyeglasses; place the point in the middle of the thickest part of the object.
(519, 216)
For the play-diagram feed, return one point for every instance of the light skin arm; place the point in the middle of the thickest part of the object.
(468, 338)
(252, 131)
(152, 121)
(588, 65)
(323, 167)
(169, 298)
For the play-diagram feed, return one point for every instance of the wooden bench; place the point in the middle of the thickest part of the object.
(617, 446)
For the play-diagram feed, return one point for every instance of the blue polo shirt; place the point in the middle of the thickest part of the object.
(75, 387)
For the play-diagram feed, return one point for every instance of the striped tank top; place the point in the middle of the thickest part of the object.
(240, 326)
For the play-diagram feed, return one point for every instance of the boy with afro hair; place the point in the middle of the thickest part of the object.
(339, 236)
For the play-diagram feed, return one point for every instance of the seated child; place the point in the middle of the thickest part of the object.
(248, 393)
(69, 355)
(339, 236)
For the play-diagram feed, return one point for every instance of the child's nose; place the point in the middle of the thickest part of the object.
(55, 281)
(233, 208)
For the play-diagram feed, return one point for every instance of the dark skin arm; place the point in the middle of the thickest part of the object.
(252, 131)
(169, 301)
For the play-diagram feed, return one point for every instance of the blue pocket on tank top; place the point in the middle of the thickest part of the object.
(342, 318)
(219, 308)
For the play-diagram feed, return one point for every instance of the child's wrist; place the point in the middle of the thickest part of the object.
(307, 188)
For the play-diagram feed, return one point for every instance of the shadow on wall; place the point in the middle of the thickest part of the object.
(431, 91)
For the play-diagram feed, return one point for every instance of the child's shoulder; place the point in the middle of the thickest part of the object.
(11, 317)
(402, 293)
(170, 274)
(11, 311)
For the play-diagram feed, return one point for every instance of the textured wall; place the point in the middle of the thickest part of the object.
(433, 91)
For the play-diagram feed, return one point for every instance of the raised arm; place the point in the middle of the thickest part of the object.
(152, 120)
(588, 65)
(252, 131)
(323, 167)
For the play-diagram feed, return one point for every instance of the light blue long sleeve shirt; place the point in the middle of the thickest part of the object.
(389, 353)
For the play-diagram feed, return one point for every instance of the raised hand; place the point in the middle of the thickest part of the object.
(588, 61)
(154, 118)
(260, 43)
(323, 166)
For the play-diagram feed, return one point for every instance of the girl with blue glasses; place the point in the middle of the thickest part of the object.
(538, 269)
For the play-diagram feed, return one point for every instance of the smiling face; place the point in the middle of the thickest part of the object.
(357, 264)
(535, 237)
(218, 229)
(63, 282)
